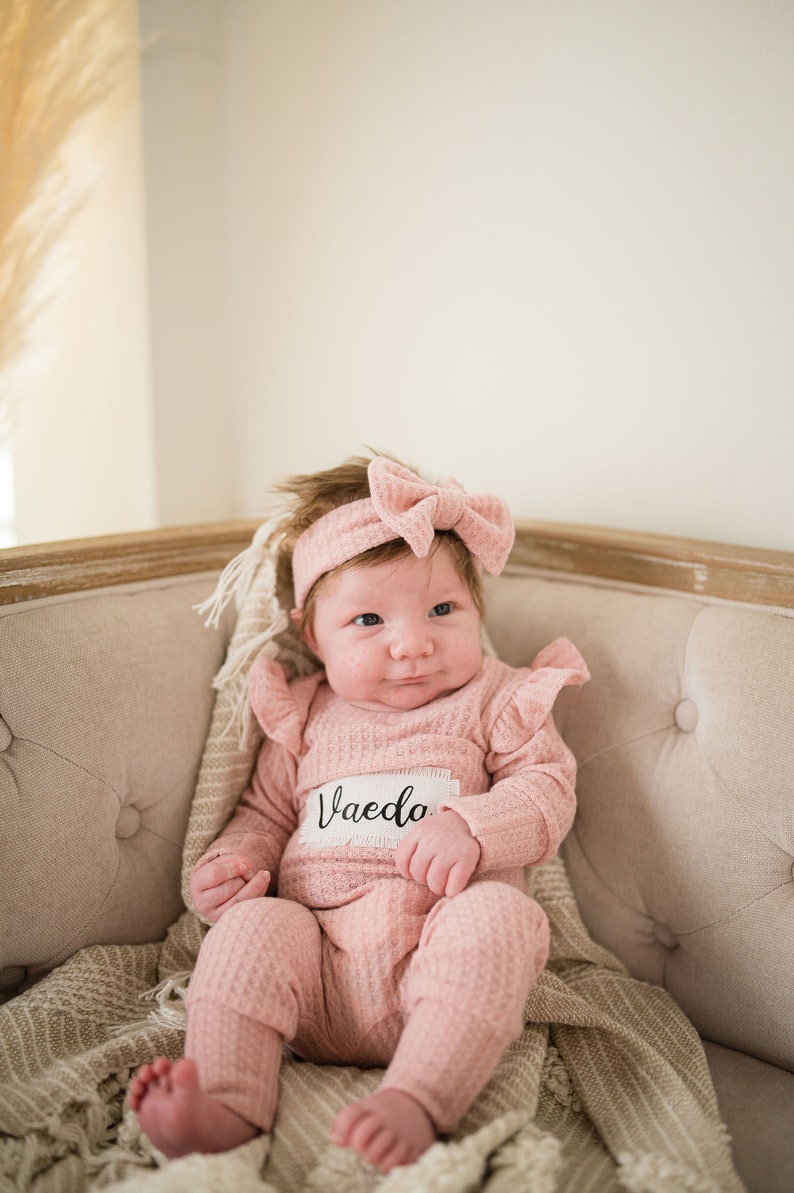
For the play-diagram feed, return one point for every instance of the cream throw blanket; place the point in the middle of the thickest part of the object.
(606, 1089)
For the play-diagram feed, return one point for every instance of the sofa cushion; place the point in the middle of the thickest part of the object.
(682, 849)
(105, 700)
(752, 1098)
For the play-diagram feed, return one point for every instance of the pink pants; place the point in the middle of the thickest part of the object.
(434, 997)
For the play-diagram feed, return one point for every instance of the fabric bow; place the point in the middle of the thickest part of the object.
(414, 510)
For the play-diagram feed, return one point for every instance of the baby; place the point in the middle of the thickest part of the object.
(397, 796)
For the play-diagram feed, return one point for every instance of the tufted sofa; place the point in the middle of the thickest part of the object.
(681, 854)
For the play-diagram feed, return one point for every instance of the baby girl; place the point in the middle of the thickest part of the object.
(399, 792)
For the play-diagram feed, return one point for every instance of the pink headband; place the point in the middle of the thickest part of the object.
(402, 506)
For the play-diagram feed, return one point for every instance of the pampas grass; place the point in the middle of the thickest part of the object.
(58, 58)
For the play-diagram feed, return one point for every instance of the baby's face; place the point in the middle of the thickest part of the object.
(397, 635)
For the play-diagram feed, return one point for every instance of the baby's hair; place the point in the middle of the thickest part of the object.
(312, 495)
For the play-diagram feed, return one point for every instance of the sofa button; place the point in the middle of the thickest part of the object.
(665, 936)
(6, 736)
(129, 821)
(686, 715)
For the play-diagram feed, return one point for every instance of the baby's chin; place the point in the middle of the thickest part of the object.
(415, 695)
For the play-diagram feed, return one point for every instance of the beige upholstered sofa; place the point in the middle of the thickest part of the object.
(681, 854)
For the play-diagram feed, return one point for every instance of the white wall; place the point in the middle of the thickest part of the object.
(83, 443)
(544, 247)
(182, 63)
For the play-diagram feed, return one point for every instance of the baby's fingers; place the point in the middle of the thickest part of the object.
(404, 855)
(437, 876)
(457, 878)
(217, 873)
(214, 883)
(253, 888)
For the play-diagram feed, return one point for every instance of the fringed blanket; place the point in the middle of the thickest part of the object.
(606, 1089)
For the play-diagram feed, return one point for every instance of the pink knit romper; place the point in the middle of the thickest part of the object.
(352, 963)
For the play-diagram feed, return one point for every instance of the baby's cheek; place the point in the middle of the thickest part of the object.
(352, 674)
(469, 655)
(357, 666)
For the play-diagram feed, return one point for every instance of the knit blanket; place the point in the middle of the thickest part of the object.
(606, 1089)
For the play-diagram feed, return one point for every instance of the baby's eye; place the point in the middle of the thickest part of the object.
(441, 610)
(367, 619)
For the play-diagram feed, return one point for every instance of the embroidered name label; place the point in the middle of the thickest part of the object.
(374, 810)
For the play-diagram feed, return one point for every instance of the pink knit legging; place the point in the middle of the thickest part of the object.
(439, 1015)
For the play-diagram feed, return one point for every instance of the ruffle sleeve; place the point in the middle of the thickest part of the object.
(522, 819)
(532, 697)
(280, 706)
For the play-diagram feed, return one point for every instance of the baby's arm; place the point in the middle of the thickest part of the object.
(520, 821)
(523, 818)
(530, 807)
(243, 862)
(439, 852)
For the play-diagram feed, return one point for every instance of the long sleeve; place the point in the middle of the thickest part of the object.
(266, 815)
(530, 806)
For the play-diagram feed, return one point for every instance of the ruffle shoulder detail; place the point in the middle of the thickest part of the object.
(281, 706)
(536, 689)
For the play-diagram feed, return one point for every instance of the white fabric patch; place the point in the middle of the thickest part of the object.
(374, 810)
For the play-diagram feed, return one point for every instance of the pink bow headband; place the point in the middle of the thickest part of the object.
(402, 506)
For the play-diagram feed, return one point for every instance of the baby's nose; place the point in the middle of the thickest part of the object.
(411, 642)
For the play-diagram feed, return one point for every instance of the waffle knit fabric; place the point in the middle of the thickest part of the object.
(376, 952)
(402, 506)
(606, 1087)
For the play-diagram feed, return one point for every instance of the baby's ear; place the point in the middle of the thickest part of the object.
(306, 632)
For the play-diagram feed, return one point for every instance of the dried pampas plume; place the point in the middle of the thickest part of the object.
(57, 59)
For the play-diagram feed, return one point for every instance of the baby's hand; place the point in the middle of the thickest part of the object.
(439, 853)
(218, 885)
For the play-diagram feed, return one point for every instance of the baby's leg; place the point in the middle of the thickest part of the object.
(467, 986)
(242, 1003)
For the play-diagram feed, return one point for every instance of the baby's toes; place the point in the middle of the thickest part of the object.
(379, 1147)
(344, 1122)
(161, 1067)
(148, 1077)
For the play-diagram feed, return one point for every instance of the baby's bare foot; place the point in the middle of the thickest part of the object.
(387, 1129)
(178, 1116)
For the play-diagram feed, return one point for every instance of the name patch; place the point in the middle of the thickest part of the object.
(374, 810)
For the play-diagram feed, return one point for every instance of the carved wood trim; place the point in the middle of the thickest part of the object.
(684, 565)
(50, 569)
(747, 574)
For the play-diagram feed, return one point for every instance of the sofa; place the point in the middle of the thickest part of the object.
(681, 853)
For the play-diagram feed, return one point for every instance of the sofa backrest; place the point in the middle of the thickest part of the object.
(105, 700)
(682, 849)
